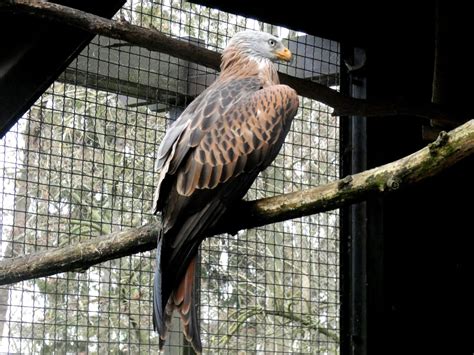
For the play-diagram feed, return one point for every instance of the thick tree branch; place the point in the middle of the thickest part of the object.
(448, 149)
(157, 41)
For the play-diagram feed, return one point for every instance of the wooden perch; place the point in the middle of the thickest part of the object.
(157, 41)
(448, 149)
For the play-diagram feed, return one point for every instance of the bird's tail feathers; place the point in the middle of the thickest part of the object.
(158, 319)
(182, 299)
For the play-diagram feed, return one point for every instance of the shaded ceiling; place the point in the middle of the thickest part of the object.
(356, 23)
(35, 52)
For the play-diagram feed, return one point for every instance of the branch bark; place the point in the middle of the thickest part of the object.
(157, 41)
(447, 150)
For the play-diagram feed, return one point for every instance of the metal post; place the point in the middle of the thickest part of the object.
(354, 218)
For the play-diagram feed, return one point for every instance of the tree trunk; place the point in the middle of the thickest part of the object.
(21, 203)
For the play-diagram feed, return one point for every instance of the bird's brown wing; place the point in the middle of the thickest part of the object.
(196, 120)
(234, 134)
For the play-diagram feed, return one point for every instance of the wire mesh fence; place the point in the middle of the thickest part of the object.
(80, 163)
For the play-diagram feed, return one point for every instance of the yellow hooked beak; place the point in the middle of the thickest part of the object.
(284, 54)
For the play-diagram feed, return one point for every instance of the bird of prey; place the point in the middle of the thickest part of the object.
(207, 161)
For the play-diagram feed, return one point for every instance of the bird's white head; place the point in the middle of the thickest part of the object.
(259, 45)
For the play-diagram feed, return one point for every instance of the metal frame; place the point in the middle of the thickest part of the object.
(354, 228)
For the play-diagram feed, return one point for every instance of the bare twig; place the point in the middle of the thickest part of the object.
(447, 150)
(242, 315)
(157, 41)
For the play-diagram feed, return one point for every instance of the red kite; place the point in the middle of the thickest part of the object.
(208, 160)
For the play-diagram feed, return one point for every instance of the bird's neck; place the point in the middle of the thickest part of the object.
(236, 64)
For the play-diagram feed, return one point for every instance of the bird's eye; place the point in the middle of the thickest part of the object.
(272, 42)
